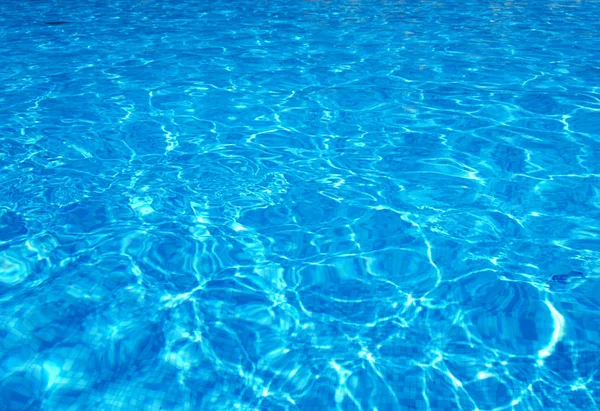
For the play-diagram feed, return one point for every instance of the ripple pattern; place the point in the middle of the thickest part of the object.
(300, 205)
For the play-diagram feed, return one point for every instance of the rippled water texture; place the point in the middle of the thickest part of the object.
(299, 205)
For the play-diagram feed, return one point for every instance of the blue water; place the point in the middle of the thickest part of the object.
(299, 205)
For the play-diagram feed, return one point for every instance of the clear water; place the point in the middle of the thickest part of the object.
(301, 205)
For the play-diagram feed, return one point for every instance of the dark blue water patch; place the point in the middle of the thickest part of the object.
(21, 390)
(567, 281)
(568, 278)
(11, 225)
(541, 103)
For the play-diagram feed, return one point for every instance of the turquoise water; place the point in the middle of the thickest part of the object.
(299, 205)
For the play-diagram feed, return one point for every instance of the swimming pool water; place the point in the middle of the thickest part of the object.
(299, 205)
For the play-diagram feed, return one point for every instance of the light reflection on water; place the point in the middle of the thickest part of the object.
(299, 205)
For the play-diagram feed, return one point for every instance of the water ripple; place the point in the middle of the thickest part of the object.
(354, 204)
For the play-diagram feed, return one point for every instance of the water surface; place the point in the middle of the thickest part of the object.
(299, 205)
